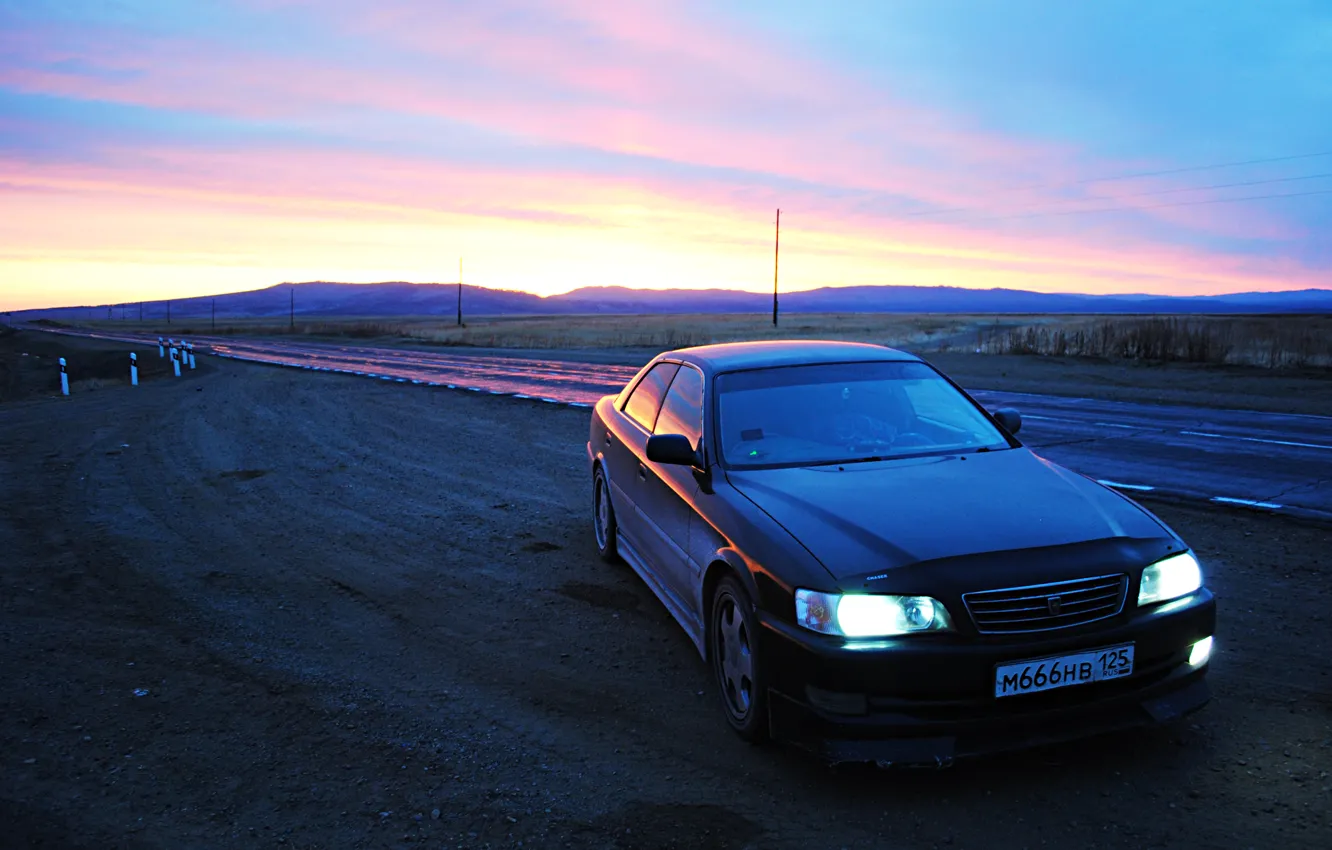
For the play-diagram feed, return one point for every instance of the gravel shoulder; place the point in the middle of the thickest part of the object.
(266, 607)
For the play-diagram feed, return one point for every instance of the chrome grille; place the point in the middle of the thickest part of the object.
(1043, 607)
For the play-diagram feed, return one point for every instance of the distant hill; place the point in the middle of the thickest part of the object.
(937, 299)
(322, 298)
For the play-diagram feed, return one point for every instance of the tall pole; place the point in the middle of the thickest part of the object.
(168, 311)
(460, 292)
(141, 311)
(293, 307)
(776, 246)
(214, 314)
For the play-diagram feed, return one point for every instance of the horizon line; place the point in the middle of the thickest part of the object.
(1109, 297)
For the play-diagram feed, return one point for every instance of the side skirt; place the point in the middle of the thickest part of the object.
(668, 599)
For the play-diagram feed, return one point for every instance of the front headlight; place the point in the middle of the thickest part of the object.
(857, 615)
(1176, 576)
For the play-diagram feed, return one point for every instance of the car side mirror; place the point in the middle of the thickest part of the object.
(671, 448)
(1009, 418)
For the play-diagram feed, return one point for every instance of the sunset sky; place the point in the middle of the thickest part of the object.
(167, 148)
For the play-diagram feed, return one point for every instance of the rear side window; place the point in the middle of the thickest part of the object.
(682, 412)
(645, 400)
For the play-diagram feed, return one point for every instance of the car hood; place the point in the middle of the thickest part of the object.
(890, 514)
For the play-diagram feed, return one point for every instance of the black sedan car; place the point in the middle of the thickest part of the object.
(877, 570)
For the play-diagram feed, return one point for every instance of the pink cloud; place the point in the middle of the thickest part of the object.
(625, 102)
(358, 187)
(653, 79)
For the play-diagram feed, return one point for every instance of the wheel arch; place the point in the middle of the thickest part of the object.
(724, 563)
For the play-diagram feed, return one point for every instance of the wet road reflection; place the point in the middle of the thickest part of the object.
(562, 381)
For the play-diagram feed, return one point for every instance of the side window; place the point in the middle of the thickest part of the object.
(682, 412)
(645, 400)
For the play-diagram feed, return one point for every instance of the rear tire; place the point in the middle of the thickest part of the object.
(603, 518)
(742, 683)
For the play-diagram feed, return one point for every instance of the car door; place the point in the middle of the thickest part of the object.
(626, 446)
(669, 491)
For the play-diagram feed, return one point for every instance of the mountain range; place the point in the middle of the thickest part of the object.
(322, 298)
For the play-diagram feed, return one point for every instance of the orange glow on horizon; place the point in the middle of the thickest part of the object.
(87, 237)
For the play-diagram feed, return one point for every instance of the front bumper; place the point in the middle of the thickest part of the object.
(929, 699)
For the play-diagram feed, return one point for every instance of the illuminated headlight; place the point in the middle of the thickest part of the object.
(1176, 576)
(1200, 652)
(864, 615)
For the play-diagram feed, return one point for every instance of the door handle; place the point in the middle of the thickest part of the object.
(642, 472)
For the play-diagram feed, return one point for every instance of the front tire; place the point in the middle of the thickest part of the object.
(736, 666)
(603, 518)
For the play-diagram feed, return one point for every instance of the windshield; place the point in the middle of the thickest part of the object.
(845, 412)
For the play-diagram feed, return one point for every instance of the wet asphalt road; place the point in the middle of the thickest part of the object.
(1280, 462)
(1267, 461)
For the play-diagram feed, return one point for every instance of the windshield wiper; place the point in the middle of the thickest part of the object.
(909, 456)
(843, 462)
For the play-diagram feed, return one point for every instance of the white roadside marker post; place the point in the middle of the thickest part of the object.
(134, 369)
(161, 348)
(191, 349)
(175, 360)
(64, 378)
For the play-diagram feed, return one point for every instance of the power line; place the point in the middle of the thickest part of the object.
(1183, 170)
(1055, 213)
(1168, 171)
(1170, 191)
(1213, 186)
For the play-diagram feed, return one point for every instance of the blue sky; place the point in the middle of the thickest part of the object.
(163, 147)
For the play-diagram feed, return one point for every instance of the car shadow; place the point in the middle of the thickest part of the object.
(1111, 757)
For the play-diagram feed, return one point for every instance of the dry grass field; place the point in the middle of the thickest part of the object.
(1269, 342)
(1272, 342)
(656, 331)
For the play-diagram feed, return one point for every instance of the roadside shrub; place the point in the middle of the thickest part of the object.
(1274, 342)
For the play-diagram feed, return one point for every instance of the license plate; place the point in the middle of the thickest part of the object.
(1062, 671)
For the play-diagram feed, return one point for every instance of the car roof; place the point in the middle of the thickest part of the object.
(733, 356)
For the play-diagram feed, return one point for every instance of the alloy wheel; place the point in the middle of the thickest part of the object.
(735, 658)
(601, 520)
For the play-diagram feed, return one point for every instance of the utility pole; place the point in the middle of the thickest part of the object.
(776, 246)
(460, 292)
(293, 307)
(168, 311)
(140, 311)
(214, 314)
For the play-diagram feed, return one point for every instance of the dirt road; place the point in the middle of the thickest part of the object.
(261, 607)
